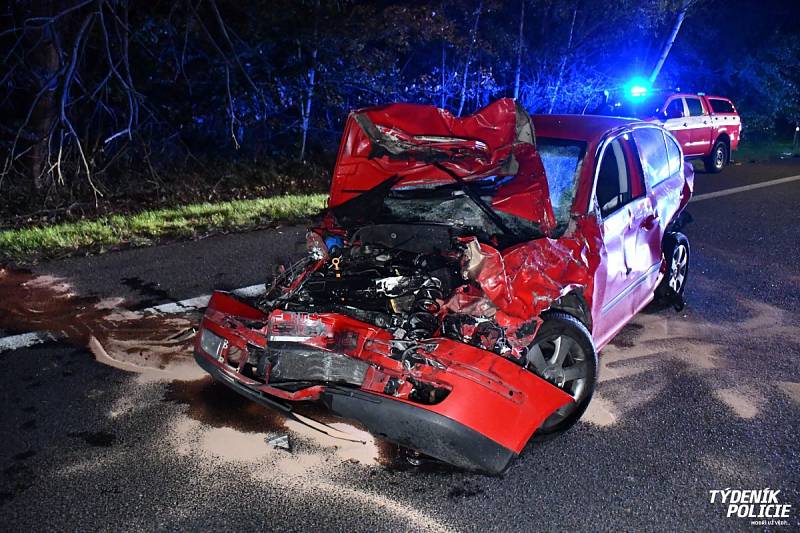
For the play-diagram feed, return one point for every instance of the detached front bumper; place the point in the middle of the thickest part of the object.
(491, 409)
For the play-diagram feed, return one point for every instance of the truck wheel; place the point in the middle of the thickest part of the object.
(563, 353)
(717, 159)
(676, 254)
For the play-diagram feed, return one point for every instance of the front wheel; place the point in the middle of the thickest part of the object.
(563, 353)
(716, 160)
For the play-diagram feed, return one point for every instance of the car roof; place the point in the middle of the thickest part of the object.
(589, 128)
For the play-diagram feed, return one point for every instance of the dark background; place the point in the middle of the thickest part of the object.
(108, 104)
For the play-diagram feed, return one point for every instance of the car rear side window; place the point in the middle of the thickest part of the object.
(721, 106)
(674, 155)
(653, 154)
(695, 107)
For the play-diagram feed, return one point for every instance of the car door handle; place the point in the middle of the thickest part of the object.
(705, 122)
(650, 222)
(685, 124)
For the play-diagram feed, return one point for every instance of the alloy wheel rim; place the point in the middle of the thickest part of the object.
(562, 362)
(719, 157)
(678, 267)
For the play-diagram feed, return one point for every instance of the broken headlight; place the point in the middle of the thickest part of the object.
(211, 343)
(295, 327)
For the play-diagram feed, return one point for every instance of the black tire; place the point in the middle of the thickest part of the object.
(561, 325)
(718, 158)
(666, 290)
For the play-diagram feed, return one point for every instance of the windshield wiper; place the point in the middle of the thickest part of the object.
(483, 206)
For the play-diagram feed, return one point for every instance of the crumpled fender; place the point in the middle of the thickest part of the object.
(525, 280)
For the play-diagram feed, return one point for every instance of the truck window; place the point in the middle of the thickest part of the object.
(695, 107)
(721, 106)
(653, 154)
(675, 108)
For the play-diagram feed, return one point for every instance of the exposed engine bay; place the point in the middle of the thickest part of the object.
(405, 279)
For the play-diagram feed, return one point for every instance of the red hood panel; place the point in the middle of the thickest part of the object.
(410, 140)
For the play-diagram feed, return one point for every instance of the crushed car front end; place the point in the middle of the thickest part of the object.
(409, 319)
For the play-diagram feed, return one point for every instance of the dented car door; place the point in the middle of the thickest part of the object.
(624, 210)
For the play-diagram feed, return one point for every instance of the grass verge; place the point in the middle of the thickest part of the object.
(26, 245)
(764, 150)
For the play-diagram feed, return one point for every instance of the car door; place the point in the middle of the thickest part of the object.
(677, 121)
(699, 127)
(662, 170)
(624, 208)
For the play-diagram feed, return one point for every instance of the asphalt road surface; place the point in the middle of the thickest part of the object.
(106, 430)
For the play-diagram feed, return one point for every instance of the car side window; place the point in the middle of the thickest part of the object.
(675, 108)
(613, 179)
(674, 155)
(653, 154)
(695, 107)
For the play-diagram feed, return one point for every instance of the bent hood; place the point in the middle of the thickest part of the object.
(410, 144)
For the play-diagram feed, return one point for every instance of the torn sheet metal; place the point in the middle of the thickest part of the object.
(417, 144)
(525, 280)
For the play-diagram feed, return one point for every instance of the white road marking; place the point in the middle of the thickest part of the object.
(743, 188)
(24, 340)
(199, 302)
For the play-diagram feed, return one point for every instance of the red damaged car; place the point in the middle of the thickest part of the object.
(465, 276)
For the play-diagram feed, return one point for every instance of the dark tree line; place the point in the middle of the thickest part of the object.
(102, 98)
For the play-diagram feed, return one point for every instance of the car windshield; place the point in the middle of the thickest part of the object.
(448, 203)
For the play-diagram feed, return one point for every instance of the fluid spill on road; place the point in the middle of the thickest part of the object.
(158, 347)
(656, 346)
(217, 406)
(315, 470)
(153, 346)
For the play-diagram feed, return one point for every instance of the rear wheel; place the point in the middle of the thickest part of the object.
(717, 159)
(676, 254)
(563, 353)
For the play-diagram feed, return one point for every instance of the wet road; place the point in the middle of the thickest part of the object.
(688, 402)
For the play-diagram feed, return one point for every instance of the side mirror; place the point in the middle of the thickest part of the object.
(674, 113)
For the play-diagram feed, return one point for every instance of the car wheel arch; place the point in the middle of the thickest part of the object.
(574, 304)
(724, 138)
